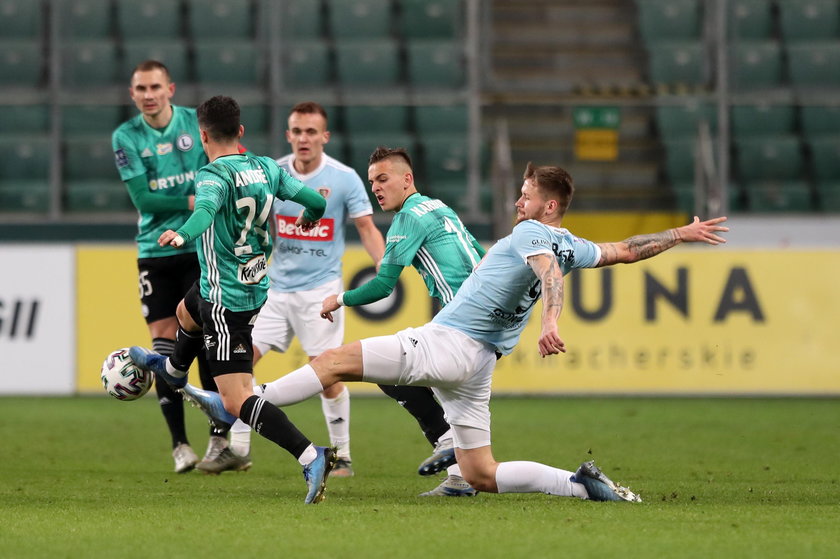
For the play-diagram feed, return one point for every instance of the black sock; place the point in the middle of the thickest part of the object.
(187, 347)
(420, 403)
(171, 402)
(269, 421)
(209, 383)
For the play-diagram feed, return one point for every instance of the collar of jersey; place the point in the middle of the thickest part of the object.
(306, 177)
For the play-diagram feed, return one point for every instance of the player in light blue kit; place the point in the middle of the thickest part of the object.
(456, 352)
(306, 268)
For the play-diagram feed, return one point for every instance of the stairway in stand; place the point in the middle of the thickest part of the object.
(545, 57)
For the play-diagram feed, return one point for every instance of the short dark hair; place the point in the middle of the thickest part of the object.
(309, 108)
(383, 152)
(219, 116)
(553, 182)
(149, 65)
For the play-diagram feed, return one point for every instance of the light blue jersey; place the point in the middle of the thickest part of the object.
(494, 304)
(304, 260)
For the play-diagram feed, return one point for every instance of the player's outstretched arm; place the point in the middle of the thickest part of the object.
(641, 247)
(551, 277)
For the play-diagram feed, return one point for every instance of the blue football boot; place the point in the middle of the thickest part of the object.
(210, 403)
(316, 472)
(155, 362)
(600, 487)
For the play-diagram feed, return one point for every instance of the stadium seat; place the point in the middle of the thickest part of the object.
(303, 19)
(173, 53)
(24, 119)
(778, 196)
(441, 119)
(677, 63)
(337, 148)
(751, 19)
(91, 64)
(819, 121)
(24, 196)
(21, 64)
(97, 196)
(92, 119)
(237, 63)
(764, 158)
(669, 20)
(828, 196)
(221, 19)
(809, 20)
(307, 64)
(149, 19)
(21, 19)
(684, 197)
(681, 121)
(435, 64)
(256, 119)
(355, 19)
(814, 65)
(756, 120)
(89, 157)
(25, 157)
(361, 120)
(825, 157)
(755, 65)
(85, 19)
(444, 158)
(425, 19)
(368, 64)
(679, 160)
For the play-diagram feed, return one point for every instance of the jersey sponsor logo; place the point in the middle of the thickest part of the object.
(393, 239)
(146, 153)
(253, 270)
(324, 191)
(185, 142)
(423, 208)
(287, 229)
(540, 242)
(163, 149)
(173, 180)
(250, 176)
(121, 158)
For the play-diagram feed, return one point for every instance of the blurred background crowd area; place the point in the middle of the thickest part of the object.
(652, 105)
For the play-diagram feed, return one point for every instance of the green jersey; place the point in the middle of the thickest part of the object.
(427, 234)
(237, 191)
(169, 158)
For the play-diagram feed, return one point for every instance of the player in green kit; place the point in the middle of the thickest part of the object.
(158, 154)
(234, 196)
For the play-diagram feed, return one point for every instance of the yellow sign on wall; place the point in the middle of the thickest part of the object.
(692, 321)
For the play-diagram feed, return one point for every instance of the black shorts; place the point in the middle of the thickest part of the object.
(227, 334)
(164, 282)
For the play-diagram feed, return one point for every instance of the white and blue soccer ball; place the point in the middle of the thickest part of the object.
(123, 379)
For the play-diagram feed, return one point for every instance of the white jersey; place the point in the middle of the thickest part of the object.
(494, 303)
(303, 260)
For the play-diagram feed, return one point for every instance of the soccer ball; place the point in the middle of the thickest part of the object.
(123, 379)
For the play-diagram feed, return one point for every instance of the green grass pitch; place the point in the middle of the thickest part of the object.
(91, 477)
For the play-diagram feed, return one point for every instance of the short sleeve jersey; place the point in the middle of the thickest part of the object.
(495, 302)
(429, 235)
(169, 158)
(234, 250)
(304, 260)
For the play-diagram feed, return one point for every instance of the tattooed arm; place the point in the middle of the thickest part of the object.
(551, 277)
(640, 247)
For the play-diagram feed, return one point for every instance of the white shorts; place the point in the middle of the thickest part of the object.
(457, 368)
(286, 315)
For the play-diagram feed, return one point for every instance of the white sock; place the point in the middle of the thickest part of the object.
(295, 387)
(177, 373)
(447, 435)
(240, 438)
(533, 477)
(454, 470)
(308, 455)
(337, 413)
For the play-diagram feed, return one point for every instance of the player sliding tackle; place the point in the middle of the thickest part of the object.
(456, 352)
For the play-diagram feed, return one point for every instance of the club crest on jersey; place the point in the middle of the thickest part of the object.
(253, 271)
(324, 191)
(163, 149)
(185, 142)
